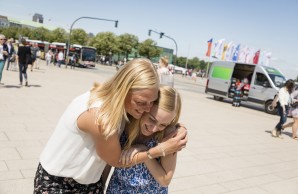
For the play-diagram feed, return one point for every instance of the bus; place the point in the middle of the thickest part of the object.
(86, 55)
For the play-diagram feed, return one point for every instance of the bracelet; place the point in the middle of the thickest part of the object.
(149, 155)
(161, 149)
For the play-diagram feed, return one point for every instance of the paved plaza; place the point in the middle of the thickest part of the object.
(230, 150)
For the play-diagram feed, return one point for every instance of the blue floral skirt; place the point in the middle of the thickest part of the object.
(44, 183)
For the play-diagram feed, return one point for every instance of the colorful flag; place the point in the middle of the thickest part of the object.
(218, 48)
(223, 55)
(256, 57)
(236, 53)
(209, 47)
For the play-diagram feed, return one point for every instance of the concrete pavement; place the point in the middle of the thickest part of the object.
(230, 149)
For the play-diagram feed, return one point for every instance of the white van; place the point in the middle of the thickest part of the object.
(264, 82)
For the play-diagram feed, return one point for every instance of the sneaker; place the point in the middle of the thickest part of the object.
(278, 133)
(273, 132)
(26, 84)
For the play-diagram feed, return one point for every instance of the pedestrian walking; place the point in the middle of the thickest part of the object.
(24, 57)
(11, 53)
(3, 55)
(294, 112)
(284, 100)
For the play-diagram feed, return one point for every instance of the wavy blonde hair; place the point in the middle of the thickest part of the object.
(170, 101)
(164, 61)
(136, 74)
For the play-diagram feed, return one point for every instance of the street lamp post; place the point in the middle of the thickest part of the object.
(162, 34)
(84, 17)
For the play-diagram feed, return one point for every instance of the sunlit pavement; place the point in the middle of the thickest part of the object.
(230, 149)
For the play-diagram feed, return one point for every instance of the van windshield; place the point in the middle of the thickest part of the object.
(277, 78)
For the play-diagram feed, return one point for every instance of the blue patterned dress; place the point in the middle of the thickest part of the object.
(135, 179)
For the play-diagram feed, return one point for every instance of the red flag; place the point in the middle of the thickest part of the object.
(209, 47)
(256, 57)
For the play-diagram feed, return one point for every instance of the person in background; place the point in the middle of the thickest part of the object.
(284, 100)
(87, 135)
(3, 55)
(60, 58)
(34, 50)
(11, 52)
(154, 175)
(23, 54)
(294, 112)
(48, 57)
(165, 76)
(238, 92)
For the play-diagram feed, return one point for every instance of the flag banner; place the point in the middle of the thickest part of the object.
(236, 53)
(223, 55)
(229, 51)
(256, 57)
(209, 47)
(249, 55)
(267, 58)
(218, 47)
(242, 53)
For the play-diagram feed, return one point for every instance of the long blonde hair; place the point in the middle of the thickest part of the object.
(136, 74)
(170, 101)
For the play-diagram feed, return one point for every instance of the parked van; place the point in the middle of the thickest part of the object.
(264, 82)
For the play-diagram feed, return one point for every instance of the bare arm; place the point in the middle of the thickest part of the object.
(104, 147)
(163, 171)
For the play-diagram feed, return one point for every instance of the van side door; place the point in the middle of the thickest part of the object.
(260, 89)
(220, 79)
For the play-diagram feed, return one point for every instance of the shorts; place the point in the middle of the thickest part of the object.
(49, 184)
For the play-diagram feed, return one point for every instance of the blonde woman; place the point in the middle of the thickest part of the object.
(154, 175)
(87, 135)
(165, 76)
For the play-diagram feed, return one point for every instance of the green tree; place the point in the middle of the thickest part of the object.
(79, 36)
(40, 34)
(58, 35)
(194, 63)
(11, 32)
(105, 43)
(148, 49)
(181, 61)
(126, 43)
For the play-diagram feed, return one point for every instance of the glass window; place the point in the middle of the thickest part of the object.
(261, 80)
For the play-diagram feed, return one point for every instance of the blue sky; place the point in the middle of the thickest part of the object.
(269, 25)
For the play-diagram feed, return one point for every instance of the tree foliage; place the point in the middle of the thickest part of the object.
(58, 35)
(148, 49)
(40, 34)
(126, 43)
(105, 43)
(79, 36)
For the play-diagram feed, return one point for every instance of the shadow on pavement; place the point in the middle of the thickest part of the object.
(18, 86)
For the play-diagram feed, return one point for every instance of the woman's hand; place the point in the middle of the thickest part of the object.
(176, 140)
(127, 155)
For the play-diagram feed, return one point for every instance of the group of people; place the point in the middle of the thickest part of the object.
(129, 122)
(22, 54)
(287, 99)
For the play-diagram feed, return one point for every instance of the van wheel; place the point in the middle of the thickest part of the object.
(218, 98)
(269, 109)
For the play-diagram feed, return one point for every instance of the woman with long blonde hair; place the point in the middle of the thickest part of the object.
(87, 134)
(154, 175)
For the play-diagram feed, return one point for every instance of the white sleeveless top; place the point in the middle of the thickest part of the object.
(71, 152)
